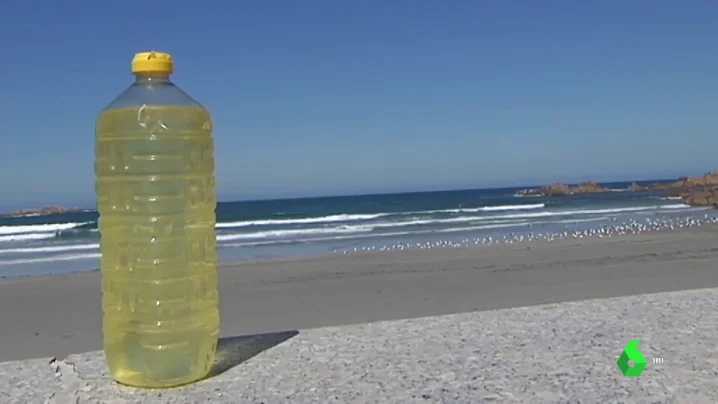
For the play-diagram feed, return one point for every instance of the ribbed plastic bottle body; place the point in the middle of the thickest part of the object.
(155, 185)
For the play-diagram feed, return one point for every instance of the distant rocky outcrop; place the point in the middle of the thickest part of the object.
(45, 210)
(557, 189)
(635, 187)
(695, 191)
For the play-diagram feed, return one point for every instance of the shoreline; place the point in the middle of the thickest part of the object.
(248, 233)
(61, 314)
(617, 229)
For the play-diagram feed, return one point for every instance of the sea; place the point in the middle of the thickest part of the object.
(249, 230)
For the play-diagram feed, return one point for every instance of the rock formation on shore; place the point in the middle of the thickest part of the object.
(558, 188)
(701, 197)
(695, 191)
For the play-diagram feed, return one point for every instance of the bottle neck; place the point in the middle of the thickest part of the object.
(152, 78)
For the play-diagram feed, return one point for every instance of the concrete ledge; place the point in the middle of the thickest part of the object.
(551, 354)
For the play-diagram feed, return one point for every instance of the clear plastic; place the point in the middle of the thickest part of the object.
(155, 186)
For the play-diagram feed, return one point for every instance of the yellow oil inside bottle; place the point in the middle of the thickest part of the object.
(155, 190)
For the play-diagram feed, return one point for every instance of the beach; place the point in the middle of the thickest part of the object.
(66, 242)
(53, 316)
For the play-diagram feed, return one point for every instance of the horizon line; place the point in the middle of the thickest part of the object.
(436, 190)
(369, 194)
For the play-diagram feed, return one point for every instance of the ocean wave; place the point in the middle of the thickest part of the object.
(484, 220)
(342, 223)
(41, 228)
(497, 208)
(307, 220)
(400, 224)
(292, 232)
(389, 234)
(344, 217)
(319, 239)
(359, 236)
(530, 215)
(26, 237)
(28, 215)
(676, 206)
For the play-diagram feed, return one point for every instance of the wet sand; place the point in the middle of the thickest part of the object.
(60, 315)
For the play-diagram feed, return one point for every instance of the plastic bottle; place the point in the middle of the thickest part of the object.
(155, 185)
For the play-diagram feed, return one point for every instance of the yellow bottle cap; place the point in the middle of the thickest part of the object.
(152, 62)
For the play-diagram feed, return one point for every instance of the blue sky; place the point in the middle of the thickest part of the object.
(336, 97)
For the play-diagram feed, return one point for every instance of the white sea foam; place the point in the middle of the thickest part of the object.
(489, 209)
(531, 215)
(364, 235)
(343, 229)
(306, 220)
(315, 239)
(335, 227)
(492, 220)
(40, 228)
(371, 216)
(496, 208)
(677, 206)
(26, 237)
(292, 232)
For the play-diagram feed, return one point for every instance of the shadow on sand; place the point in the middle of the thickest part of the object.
(232, 351)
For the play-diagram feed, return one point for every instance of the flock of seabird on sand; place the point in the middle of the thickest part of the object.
(629, 227)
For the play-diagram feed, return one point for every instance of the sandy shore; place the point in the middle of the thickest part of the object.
(59, 315)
